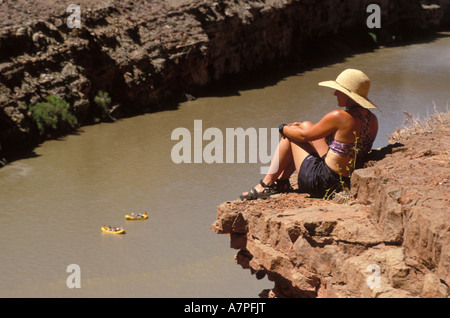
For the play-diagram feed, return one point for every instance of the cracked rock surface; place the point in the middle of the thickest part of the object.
(390, 239)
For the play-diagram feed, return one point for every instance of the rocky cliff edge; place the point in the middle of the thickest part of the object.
(390, 238)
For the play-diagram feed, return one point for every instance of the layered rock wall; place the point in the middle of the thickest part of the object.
(391, 238)
(147, 54)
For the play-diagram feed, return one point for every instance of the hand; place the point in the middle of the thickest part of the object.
(295, 124)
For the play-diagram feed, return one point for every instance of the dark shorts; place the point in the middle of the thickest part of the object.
(317, 179)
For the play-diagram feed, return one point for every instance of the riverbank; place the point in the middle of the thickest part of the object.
(390, 238)
(147, 57)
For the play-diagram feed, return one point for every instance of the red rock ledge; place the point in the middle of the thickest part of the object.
(390, 239)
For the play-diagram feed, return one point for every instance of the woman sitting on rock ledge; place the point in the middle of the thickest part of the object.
(325, 153)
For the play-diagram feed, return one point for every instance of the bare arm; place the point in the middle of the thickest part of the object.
(327, 125)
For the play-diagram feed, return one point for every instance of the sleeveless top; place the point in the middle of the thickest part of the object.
(363, 143)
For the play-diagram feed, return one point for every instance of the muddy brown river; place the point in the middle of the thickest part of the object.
(53, 205)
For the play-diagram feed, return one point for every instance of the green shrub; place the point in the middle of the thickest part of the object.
(103, 102)
(53, 116)
(373, 36)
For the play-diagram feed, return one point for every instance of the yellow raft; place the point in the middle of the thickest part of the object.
(107, 229)
(137, 217)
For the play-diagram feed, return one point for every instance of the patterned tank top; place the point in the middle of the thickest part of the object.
(363, 144)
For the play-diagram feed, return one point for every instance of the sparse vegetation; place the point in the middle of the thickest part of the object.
(53, 117)
(414, 124)
(103, 103)
(373, 36)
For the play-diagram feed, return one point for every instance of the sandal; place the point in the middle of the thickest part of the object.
(266, 192)
(283, 186)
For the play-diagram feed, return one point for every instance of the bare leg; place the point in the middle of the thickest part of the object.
(319, 146)
(288, 171)
(300, 150)
(282, 158)
(289, 157)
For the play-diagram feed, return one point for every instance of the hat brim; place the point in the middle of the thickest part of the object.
(364, 102)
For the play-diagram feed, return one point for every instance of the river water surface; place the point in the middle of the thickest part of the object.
(53, 205)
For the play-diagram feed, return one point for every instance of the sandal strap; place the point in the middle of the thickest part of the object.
(265, 193)
(253, 193)
(268, 188)
(265, 186)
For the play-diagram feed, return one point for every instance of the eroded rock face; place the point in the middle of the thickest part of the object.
(391, 240)
(147, 54)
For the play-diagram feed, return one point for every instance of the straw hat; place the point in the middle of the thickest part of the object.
(353, 83)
